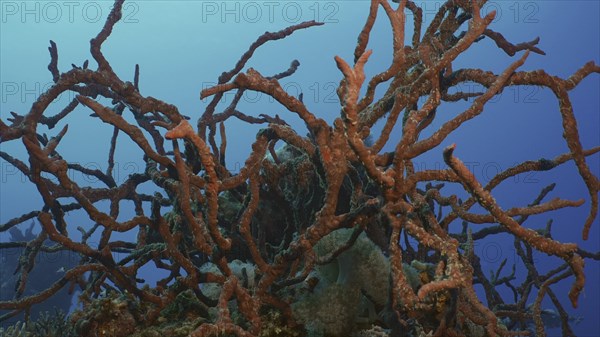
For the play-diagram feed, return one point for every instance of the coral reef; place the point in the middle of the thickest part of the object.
(335, 233)
(48, 324)
(349, 289)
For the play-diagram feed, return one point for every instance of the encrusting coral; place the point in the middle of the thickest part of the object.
(335, 233)
(348, 290)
